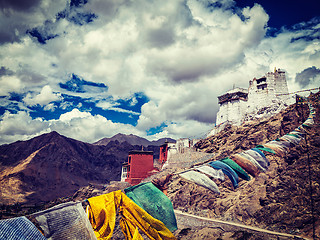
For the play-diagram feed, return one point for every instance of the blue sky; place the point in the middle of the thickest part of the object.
(94, 68)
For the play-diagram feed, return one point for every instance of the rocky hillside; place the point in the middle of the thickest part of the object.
(234, 139)
(279, 199)
(52, 166)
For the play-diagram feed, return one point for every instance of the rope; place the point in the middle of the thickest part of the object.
(318, 88)
(311, 190)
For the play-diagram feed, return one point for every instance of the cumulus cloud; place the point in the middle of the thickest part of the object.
(86, 127)
(9, 84)
(308, 76)
(210, 46)
(18, 16)
(179, 54)
(75, 124)
(186, 129)
(20, 126)
(44, 97)
(5, 71)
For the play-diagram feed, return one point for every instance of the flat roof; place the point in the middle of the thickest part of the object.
(141, 152)
(236, 90)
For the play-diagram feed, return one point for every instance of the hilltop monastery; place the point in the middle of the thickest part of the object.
(265, 96)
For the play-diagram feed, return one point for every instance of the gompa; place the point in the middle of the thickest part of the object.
(265, 96)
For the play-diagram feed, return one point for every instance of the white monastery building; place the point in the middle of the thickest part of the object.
(265, 97)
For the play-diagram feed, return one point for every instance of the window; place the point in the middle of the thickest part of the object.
(129, 160)
(262, 86)
(261, 80)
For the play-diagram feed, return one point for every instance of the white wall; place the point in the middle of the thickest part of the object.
(236, 111)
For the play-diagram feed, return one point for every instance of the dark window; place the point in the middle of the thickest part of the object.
(261, 80)
(262, 86)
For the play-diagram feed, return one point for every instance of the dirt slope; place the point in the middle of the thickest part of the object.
(279, 199)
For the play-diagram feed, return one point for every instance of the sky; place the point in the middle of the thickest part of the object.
(90, 69)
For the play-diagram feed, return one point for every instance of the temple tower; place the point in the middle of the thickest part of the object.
(232, 106)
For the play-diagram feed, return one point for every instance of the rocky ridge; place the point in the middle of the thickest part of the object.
(133, 140)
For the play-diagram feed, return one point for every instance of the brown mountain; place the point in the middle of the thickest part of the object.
(133, 140)
(52, 166)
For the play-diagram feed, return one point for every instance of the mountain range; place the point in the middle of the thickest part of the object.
(133, 140)
(51, 165)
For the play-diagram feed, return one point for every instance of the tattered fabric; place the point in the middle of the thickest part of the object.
(266, 162)
(253, 160)
(309, 122)
(201, 180)
(241, 173)
(102, 215)
(285, 142)
(19, 228)
(281, 151)
(153, 201)
(258, 157)
(217, 174)
(291, 139)
(265, 149)
(246, 164)
(226, 170)
(299, 133)
(65, 221)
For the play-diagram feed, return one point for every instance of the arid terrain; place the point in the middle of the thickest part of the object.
(284, 199)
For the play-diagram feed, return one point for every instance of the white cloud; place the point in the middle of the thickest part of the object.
(74, 114)
(50, 107)
(9, 84)
(79, 125)
(284, 52)
(186, 129)
(106, 104)
(124, 111)
(18, 17)
(44, 97)
(180, 54)
(113, 106)
(86, 127)
(20, 126)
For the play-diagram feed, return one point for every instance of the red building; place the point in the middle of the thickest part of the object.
(163, 155)
(138, 167)
(166, 150)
